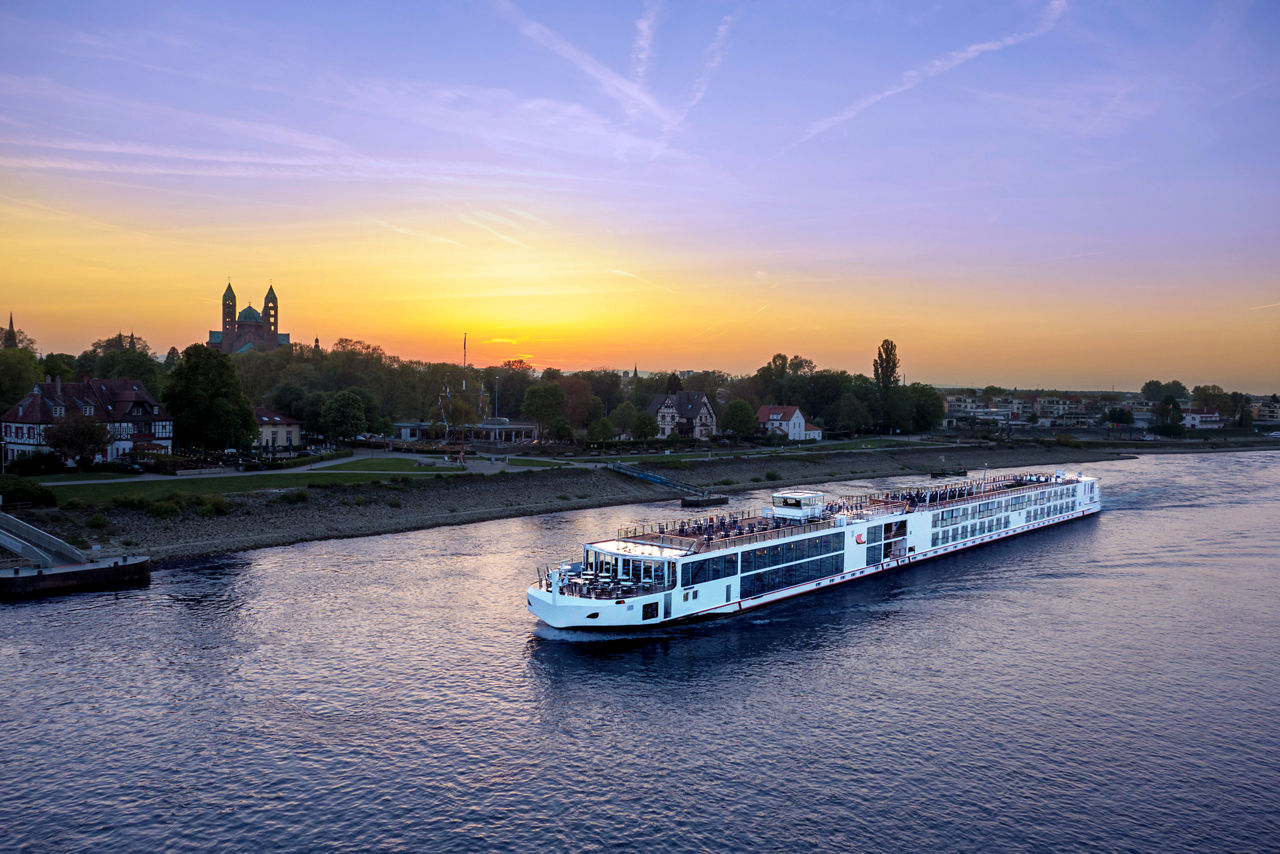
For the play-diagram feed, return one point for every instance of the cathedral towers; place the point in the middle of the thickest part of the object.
(246, 329)
(271, 310)
(228, 311)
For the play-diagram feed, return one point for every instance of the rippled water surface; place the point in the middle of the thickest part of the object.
(1112, 683)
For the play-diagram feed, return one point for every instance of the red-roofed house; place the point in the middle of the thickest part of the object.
(136, 421)
(787, 420)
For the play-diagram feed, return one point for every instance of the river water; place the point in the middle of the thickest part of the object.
(1112, 683)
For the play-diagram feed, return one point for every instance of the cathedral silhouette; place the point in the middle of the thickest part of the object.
(249, 330)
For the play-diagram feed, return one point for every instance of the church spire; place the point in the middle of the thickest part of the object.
(10, 335)
(271, 310)
(228, 316)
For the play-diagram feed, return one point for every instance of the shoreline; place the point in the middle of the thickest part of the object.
(280, 517)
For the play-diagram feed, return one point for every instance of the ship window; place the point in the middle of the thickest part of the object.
(650, 611)
(791, 575)
(593, 615)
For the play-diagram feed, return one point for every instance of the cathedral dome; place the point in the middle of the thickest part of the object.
(249, 314)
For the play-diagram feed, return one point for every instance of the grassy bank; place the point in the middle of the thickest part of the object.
(154, 490)
(390, 464)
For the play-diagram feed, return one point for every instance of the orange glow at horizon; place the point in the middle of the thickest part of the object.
(73, 280)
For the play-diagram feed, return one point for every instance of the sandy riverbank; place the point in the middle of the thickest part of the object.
(281, 517)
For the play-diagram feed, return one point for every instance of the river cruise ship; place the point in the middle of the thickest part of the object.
(723, 564)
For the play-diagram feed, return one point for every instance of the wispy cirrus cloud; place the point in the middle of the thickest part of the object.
(626, 92)
(1268, 305)
(497, 118)
(711, 59)
(626, 274)
(411, 232)
(1091, 108)
(913, 78)
(642, 47)
(484, 226)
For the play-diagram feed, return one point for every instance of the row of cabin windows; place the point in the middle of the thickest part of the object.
(788, 576)
(964, 532)
(960, 515)
(1038, 513)
(780, 553)
(755, 560)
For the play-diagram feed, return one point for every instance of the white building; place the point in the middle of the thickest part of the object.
(1201, 419)
(787, 420)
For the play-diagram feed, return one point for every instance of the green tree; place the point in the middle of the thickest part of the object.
(646, 426)
(1119, 415)
(899, 413)
(853, 416)
(710, 383)
(738, 420)
(129, 365)
(560, 430)
(885, 370)
(1168, 411)
(312, 412)
(20, 340)
(624, 416)
(1152, 391)
(78, 437)
(543, 404)
(343, 415)
(601, 430)
(579, 401)
(207, 403)
(508, 385)
(605, 384)
(927, 407)
(1175, 388)
(56, 365)
(673, 383)
(19, 372)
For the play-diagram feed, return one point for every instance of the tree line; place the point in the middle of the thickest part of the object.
(356, 387)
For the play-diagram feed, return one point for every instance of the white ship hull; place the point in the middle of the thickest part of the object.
(649, 578)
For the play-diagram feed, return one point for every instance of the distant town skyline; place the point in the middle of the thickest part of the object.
(1073, 195)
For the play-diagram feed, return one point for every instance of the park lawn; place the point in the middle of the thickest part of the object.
(154, 490)
(51, 479)
(534, 463)
(394, 464)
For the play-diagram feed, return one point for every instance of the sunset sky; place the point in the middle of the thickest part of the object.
(1072, 194)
